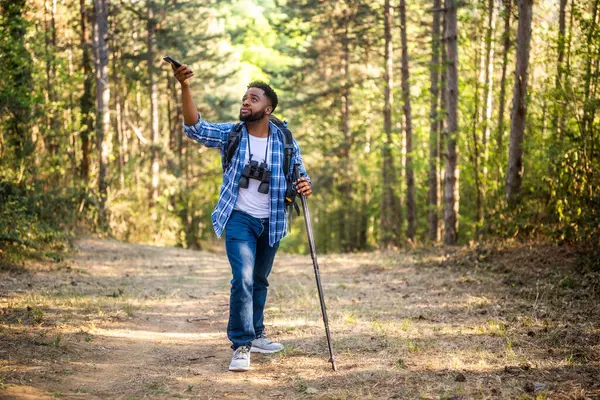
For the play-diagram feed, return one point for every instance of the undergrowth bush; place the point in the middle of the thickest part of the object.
(37, 224)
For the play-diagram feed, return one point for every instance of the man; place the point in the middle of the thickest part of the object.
(251, 212)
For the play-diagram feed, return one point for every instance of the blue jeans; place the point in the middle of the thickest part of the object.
(251, 259)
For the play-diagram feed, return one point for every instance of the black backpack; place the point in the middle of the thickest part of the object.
(234, 138)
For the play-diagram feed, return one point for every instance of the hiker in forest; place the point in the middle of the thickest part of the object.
(252, 204)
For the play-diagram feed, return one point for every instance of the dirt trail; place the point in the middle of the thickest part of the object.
(128, 321)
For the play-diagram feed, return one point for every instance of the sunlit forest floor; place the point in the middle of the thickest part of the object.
(129, 321)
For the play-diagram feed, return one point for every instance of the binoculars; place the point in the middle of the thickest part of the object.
(254, 170)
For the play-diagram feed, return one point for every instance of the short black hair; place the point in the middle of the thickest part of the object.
(269, 92)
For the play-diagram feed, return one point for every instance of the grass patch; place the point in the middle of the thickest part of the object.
(300, 384)
(350, 318)
(129, 309)
(414, 347)
(405, 324)
(288, 351)
(36, 314)
(493, 327)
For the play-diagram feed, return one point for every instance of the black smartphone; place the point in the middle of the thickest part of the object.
(172, 61)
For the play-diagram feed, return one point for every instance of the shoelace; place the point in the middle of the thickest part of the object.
(241, 352)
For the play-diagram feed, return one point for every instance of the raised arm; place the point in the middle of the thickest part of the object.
(190, 112)
(206, 133)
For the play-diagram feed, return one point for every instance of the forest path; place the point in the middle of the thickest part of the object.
(129, 321)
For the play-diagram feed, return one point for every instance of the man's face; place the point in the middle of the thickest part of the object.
(255, 105)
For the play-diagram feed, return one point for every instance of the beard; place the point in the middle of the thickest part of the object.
(252, 116)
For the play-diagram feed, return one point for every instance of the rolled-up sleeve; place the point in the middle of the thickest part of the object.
(207, 133)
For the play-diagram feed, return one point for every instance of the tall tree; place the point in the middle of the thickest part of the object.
(153, 102)
(346, 189)
(451, 193)
(86, 102)
(103, 138)
(411, 212)
(117, 118)
(434, 132)
(589, 146)
(388, 199)
(514, 175)
(442, 126)
(590, 104)
(558, 119)
(51, 136)
(507, 12)
(486, 113)
(474, 145)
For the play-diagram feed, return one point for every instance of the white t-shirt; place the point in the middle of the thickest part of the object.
(250, 200)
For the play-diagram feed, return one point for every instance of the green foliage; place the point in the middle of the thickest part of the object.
(15, 87)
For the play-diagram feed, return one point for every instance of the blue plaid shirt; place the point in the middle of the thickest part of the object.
(215, 135)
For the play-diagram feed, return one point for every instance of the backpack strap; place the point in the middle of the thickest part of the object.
(288, 146)
(233, 140)
(288, 152)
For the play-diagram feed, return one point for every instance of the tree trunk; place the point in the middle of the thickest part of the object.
(558, 117)
(364, 218)
(87, 98)
(442, 127)
(486, 112)
(434, 70)
(502, 97)
(559, 103)
(69, 120)
(570, 39)
(153, 106)
(103, 134)
(346, 188)
(388, 228)
(51, 137)
(451, 193)
(474, 152)
(411, 213)
(514, 174)
(177, 118)
(172, 124)
(589, 103)
(118, 119)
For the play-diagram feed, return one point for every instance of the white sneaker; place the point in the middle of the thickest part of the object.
(264, 345)
(241, 359)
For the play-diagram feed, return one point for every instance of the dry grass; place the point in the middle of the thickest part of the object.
(509, 321)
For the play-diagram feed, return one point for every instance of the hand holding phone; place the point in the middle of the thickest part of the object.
(181, 72)
(172, 61)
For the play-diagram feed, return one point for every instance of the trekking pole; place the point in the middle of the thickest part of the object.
(311, 243)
